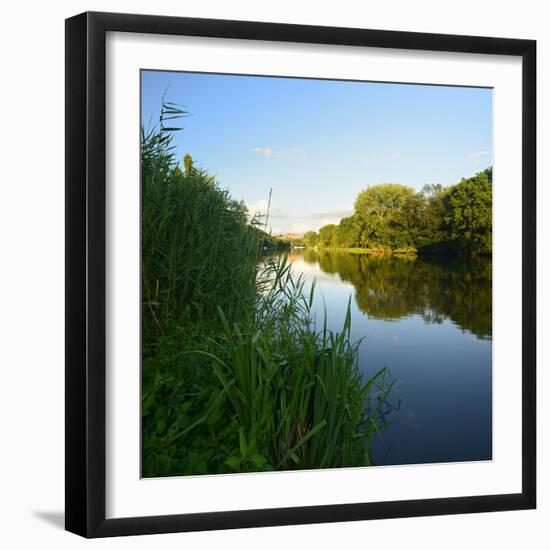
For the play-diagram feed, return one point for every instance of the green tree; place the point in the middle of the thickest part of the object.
(469, 214)
(311, 239)
(327, 235)
(379, 211)
(347, 235)
(433, 235)
(408, 223)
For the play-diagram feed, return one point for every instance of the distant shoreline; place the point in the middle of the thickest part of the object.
(410, 252)
(371, 251)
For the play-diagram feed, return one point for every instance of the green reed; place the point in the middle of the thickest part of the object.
(236, 377)
(297, 394)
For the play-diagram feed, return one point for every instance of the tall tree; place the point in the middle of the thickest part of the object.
(379, 211)
(469, 214)
(347, 235)
(310, 239)
(433, 233)
(327, 235)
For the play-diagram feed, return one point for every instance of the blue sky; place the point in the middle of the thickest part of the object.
(318, 143)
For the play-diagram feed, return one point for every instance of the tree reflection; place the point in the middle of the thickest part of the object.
(436, 288)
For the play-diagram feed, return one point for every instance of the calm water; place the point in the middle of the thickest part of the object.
(429, 321)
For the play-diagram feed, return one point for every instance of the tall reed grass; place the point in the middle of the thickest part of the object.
(236, 377)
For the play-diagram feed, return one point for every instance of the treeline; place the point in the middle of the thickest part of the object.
(269, 242)
(392, 217)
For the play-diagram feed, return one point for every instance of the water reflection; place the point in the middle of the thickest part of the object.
(438, 288)
(429, 321)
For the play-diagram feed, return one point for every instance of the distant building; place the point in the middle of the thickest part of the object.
(291, 237)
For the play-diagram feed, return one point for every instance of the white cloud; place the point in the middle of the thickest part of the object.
(480, 156)
(290, 153)
(395, 155)
(331, 214)
(263, 151)
(259, 208)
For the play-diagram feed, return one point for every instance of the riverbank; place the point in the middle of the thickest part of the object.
(410, 251)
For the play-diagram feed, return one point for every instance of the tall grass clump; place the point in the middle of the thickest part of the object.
(296, 394)
(198, 253)
(236, 377)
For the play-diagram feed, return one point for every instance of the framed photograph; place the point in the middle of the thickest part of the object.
(300, 274)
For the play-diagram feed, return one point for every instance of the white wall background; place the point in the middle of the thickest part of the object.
(32, 271)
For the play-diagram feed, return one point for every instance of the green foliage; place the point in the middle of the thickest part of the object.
(392, 217)
(381, 216)
(235, 376)
(433, 235)
(346, 233)
(270, 243)
(198, 254)
(328, 235)
(470, 214)
(297, 396)
(194, 236)
(311, 239)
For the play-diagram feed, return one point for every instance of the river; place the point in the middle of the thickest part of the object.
(429, 320)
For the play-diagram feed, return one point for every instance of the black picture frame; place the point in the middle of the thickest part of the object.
(86, 275)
